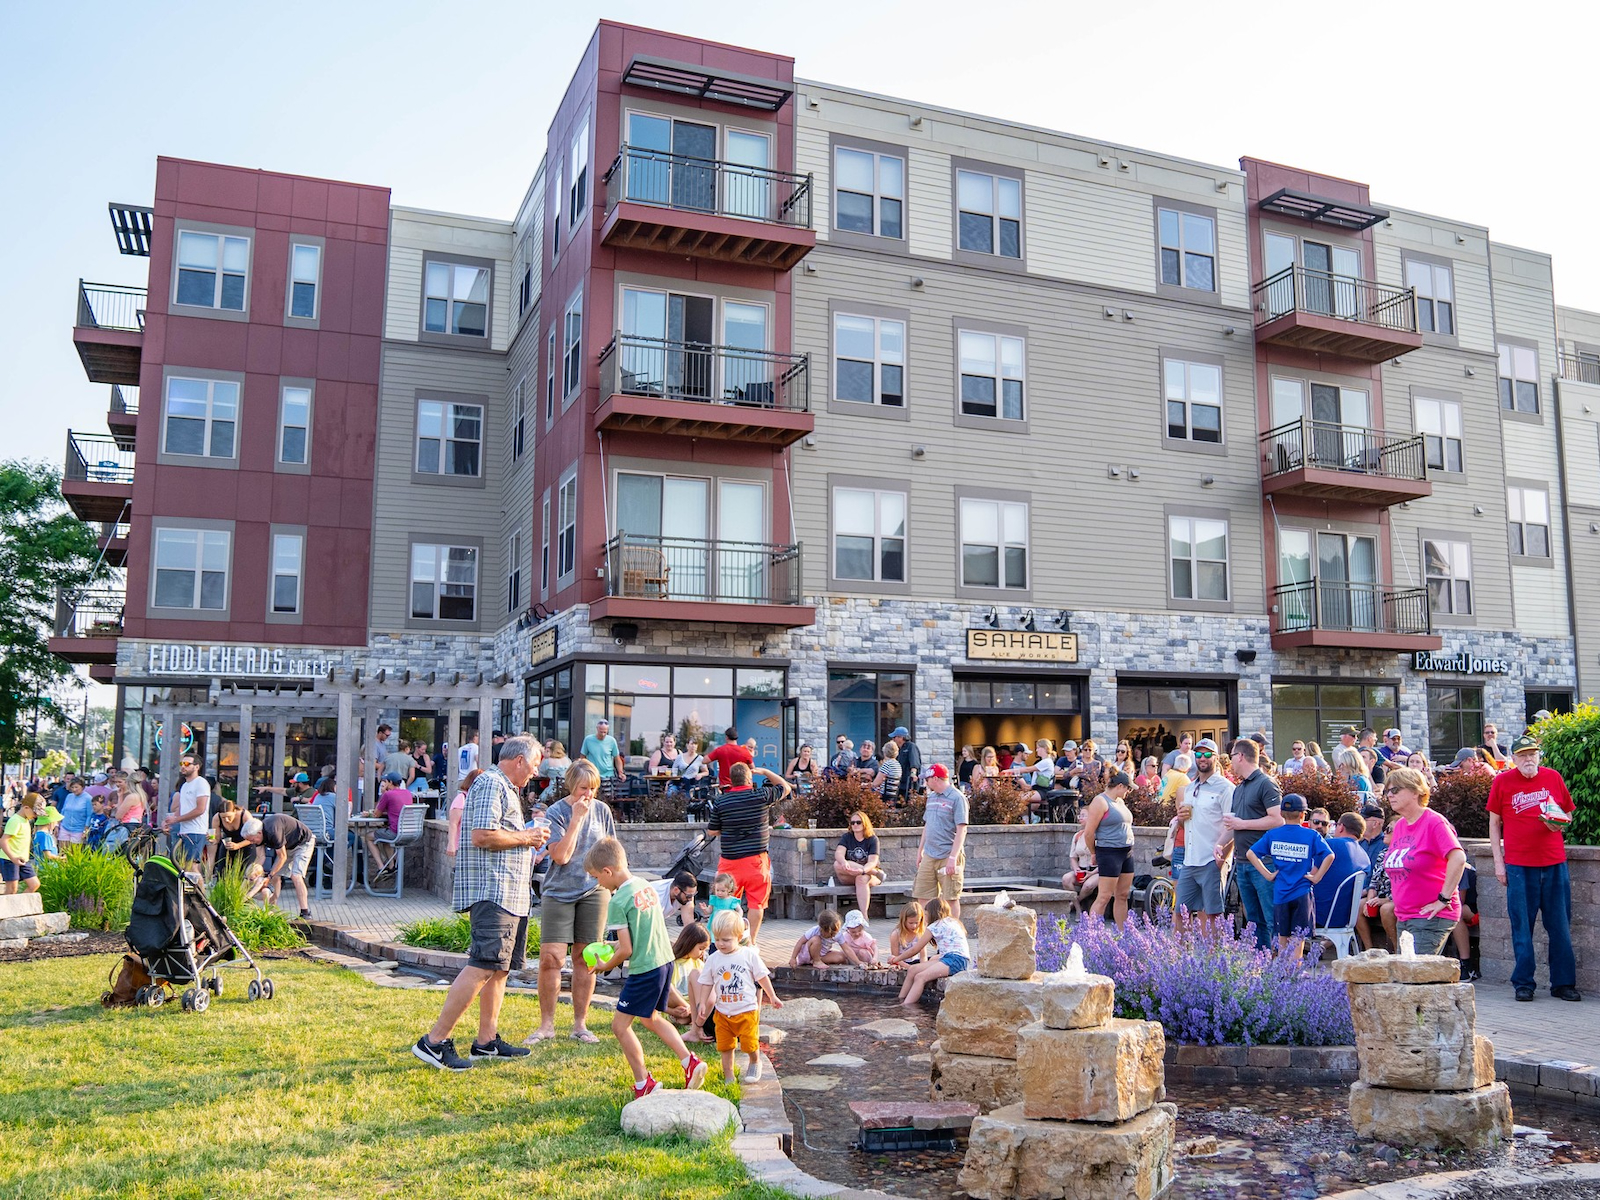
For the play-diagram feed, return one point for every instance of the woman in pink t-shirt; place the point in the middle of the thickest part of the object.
(458, 806)
(1424, 863)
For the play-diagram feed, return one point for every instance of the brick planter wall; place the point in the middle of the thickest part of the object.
(1494, 930)
(1280, 1066)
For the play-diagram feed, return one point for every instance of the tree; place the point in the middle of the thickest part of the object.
(43, 549)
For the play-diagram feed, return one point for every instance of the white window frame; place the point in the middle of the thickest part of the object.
(514, 603)
(1191, 533)
(194, 542)
(218, 272)
(1180, 247)
(994, 213)
(572, 347)
(211, 420)
(1002, 509)
(297, 543)
(1456, 577)
(544, 549)
(550, 378)
(284, 424)
(1517, 516)
(879, 538)
(558, 198)
(881, 358)
(447, 414)
(295, 281)
(578, 177)
(451, 304)
(1510, 371)
(567, 529)
(877, 196)
(439, 562)
(1426, 276)
(1440, 420)
(1000, 376)
(1185, 399)
(519, 419)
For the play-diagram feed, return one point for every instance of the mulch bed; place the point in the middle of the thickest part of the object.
(103, 943)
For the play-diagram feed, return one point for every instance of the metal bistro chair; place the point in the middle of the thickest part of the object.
(314, 818)
(409, 834)
(1343, 937)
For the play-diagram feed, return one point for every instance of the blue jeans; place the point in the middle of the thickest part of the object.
(1255, 890)
(1544, 892)
(193, 844)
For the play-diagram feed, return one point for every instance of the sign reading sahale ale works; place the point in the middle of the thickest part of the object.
(1019, 645)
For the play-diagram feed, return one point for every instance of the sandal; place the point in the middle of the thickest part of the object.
(534, 1038)
(587, 1037)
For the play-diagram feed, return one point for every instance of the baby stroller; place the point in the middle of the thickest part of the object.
(692, 859)
(178, 936)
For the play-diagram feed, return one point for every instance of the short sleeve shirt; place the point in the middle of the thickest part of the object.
(949, 937)
(390, 805)
(1415, 862)
(944, 812)
(1208, 800)
(734, 980)
(636, 905)
(568, 881)
(501, 877)
(188, 796)
(1251, 800)
(1529, 841)
(724, 756)
(1296, 851)
(279, 831)
(18, 842)
(859, 850)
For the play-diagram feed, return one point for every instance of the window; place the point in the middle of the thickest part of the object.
(518, 420)
(578, 176)
(202, 417)
(514, 575)
(1198, 548)
(871, 705)
(869, 192)
(544, 550)
(567, 527)
(449, 438)
(211, 270)
(526, 249)
(550, 378)
(1188, 249)
(1447, 570)
(989, 209)
(1194, 400)
(456, 299)
(1439, 423)
(305, 272)
(869, 360)
(991, 375)
(1528, 510)
(572, 347)
(444, 582)
(869, 535)
(1315, 712)
(994, 543)
(557, 197)
(1535, 701)
(288, 555)
(294, 425)
(1436, 309)
(1519, 378)
(191, 569)
(1455, 719)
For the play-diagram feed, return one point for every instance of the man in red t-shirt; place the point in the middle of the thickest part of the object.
(730, 752)
(1530, 859)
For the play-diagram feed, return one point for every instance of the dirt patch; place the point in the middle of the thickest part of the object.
(95, 943)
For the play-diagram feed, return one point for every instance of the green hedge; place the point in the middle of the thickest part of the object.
(1571, 743)
(455, 934)
(95, 889)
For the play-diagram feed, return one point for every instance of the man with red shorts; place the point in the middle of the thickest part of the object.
(743, 816)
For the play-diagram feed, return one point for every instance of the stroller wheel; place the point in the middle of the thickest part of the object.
(266, 989)
(253, 992)
(140, 996)
(155, 996)
(214, 985)
(202, 1000)
(188, 998)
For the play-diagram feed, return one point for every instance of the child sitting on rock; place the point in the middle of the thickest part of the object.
(953, 956)
(735, 978)
(256, 883)
(819, 945)
(906, 930)
(857, 942)
(688, 958)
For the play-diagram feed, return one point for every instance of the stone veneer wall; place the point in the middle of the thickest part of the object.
(1494, 930)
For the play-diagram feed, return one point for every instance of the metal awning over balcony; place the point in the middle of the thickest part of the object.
(1323, 312)
(88, 625)
(707, 208)
(109, 333)
(1341, 214)
(1352, 616)
(653, 385)
(122, 417)
(688, 79)
(1347, 463)
(695, 580)
(132, 225)
(97, 478)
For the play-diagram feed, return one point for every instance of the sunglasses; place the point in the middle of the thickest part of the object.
(1393, 791)
(855, 824)
(1204, 754)
(1320, 824)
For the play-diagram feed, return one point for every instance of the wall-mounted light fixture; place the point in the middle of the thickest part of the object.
(992, 619)
(1027, 622)
(1208, 480)
(1477, 510)
(1114, 472)
(1063, 620)
(810, 268)
(1228, 331)
(918, 282)
(916, 122)
(1471, 374)
(1127, 314)
(1133, 472)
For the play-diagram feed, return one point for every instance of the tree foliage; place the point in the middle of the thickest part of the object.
(43, 549)
(1571, 744)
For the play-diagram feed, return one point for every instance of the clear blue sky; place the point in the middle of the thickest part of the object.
(1480, 113)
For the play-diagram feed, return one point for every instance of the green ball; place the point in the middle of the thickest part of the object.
(598, 953)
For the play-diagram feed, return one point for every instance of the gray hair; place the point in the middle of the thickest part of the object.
(521, 745)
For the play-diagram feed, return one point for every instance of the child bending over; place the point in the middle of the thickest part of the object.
(907, 930)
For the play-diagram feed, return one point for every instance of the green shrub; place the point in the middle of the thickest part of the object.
(95, 889)
(454, 934)
(1461, 800)
(228, 890)
(1571, 744)
(260, 928)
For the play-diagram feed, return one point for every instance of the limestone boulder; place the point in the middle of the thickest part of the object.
(1416, 1036)
(21, 904)
(33, 925)
(889, 1029)
(801, 1013)
(1006, 942)
(1379, 966)
(1010, 1157)
(1109, 1073)
(982, 1015)
(1479, 1119)
(1427, 1068)
(990, 1083)
(1076, 1005)
(667, 1112)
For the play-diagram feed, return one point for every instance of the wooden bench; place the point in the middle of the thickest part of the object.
(973, 890)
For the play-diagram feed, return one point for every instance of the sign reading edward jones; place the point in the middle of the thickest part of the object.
(1461, 664)
(277, 662)
(1018, 645)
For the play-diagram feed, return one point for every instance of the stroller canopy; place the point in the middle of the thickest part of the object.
(157, 908)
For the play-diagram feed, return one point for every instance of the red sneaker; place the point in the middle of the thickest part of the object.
(695, 1073)
(644, 1089)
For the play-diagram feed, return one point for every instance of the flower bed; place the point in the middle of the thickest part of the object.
(1208, 988)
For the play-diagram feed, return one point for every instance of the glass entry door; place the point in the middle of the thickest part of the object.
(1342, 420)
(1347, 581)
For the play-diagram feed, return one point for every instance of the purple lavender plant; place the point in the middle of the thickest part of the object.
(1208, 987)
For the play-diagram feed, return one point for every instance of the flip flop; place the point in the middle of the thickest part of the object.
(534, 1038)
(587, 1037)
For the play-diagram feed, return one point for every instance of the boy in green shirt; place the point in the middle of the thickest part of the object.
(16, 847)
(642, 943)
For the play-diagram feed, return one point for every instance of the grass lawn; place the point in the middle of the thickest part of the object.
(315, 1093)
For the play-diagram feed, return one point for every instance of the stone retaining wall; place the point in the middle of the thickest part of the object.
(1494, 930)
(1281, 1066)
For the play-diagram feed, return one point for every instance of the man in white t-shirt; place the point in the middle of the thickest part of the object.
(1200, 808)
(189, 818)
(467, 758)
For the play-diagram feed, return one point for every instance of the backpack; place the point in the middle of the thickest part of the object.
(126, 979)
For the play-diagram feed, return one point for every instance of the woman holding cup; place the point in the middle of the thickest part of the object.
(1425, 862)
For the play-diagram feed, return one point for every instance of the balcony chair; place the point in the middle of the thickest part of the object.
(644, 572)
(409, 834)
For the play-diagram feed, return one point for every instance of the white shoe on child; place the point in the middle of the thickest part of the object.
(752, 1071)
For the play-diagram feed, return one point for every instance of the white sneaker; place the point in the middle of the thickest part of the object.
(752, 1071)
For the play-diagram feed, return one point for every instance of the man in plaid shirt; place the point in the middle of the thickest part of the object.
(494, 862)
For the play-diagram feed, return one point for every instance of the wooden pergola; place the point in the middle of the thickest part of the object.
(355, 700)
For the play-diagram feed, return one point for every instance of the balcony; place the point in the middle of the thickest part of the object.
(686, 389)
(122, 418)
(706, 208)
(1345, 463)
(1351, 616)
(109, 334)
(1320, 312)
(88, 626)
(694, 580)
(97, 478)
(112, 538)
(1580, 366)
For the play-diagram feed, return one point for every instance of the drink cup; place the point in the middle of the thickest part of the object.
(1370, 908)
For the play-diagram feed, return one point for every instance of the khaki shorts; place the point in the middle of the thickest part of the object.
(931, 880)
(574, 922)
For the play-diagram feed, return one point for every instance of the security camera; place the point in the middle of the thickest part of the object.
(619, 641)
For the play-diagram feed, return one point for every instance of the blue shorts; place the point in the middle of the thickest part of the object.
(645, 994)
(956, 962)
(1294, 917)
(11, 872)
(194, 845)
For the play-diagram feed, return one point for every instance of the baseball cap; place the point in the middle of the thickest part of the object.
(1206, 744)
(1371, 810)
(1069, 744)
(1350, 730)
(1293, 803)
(301, 777)
(1525, 742)
(1120, 779)
(1259, 740)
(936, 771)
(854, 920)
(391, 777)
(900, 731)
(1389, 733)
(99, 777)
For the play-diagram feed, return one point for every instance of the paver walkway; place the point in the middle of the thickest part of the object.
(1547, 1030)
(373, 918)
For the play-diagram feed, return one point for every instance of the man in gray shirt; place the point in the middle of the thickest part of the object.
(941, 859)
(1255, 811)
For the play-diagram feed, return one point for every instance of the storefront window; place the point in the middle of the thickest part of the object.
(869, 705)
(1152, 717)
(1557, 700)
(1316, 712)
(1013, 708)
(1455, 719)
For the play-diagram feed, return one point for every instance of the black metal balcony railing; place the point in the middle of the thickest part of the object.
(1325, 446)
(1344, 607)
(1324, 293)
(707, 185)
(647, 366)
(1579, 366)
(671, 568)
(96, 458)
(111, 306)
(124, 400)
(93, 613)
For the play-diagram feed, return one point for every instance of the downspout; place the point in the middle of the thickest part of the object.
(1566, 533)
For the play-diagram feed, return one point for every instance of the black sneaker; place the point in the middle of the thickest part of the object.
(1525, 994)
(440, 1054)
(498, 1048)
(1567, 992)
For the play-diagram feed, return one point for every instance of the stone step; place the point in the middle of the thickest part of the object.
(23, 904)
(903, 1114)
(37, 925)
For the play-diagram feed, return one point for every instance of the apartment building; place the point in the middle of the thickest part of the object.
(794, 407)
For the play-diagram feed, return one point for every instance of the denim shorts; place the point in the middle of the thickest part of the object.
(956, 962)
(11, 872)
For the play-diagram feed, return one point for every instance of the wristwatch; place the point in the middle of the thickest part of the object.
(1443, 899)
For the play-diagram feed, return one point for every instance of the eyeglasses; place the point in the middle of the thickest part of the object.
(1204, 754)
(1393, 791)
(1320, 824)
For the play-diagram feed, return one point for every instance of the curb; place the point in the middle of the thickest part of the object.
(1584, 1177)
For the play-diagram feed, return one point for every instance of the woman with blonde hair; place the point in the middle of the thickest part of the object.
(1040, 777)
(1425, 863)
(855, 858)
(988, 768)
(1348, 765)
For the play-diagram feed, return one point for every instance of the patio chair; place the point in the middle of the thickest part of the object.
(408, 834)
(315, 818)
(1343, 937)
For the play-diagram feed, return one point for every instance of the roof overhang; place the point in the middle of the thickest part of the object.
(1319, 210)
(725, 87)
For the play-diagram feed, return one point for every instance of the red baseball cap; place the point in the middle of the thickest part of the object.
(937, 771)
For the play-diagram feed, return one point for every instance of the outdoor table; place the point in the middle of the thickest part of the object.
(361, 826)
